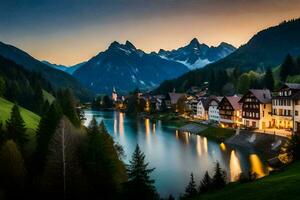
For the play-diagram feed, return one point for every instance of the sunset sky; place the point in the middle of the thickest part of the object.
(71, 31)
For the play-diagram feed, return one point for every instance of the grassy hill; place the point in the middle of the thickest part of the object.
(280, 185)
(31, 119)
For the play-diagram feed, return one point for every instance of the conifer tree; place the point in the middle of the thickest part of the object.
(190, 190)
(67, 103)
(139, 184)
(105, 170)
(269, 80)
(287, 68)
(219, 178)
(205, 184)
(16, 129)
(45, 131)
(12, 169)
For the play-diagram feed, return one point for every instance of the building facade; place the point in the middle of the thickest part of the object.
(286, 108)
(230, 111)
(213, 111)
(257, 109)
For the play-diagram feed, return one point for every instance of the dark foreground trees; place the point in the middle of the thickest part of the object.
(139, 184)
(207, 184)
(15, 127)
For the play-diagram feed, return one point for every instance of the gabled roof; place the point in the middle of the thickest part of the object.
(234, 101)
(294, 86)
(205, 102)
(263, 95)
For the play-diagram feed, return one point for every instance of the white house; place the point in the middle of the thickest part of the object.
(213, 111)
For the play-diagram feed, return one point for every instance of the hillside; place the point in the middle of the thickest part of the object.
(31, 119)
(125, 67)
(281, 185)
(267, 48)
(57, 78)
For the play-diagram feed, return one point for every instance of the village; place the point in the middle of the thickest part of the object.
(259, 110)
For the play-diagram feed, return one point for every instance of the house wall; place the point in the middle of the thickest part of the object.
(201, 113)
(213, 112)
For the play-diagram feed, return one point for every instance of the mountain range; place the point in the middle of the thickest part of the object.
(196, 55)
(266, 49)
(68, 69)
(125, 67)
(57, 78)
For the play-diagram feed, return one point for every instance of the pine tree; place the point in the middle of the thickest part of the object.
(44, 133)
(205, 184)
(105, 170)
(269, 80)
(139, 184)
(190, 190)
(67, 103)
(12, 169)
(287, 68)
(219, 178)
(16, 129)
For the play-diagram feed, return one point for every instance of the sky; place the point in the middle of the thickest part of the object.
(71, 31)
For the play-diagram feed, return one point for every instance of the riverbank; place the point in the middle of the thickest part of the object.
(279, 185)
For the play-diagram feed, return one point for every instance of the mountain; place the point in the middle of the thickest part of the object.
(125, 67)
(68, 69)
(56, 77)
(196, 55)
(267, 48)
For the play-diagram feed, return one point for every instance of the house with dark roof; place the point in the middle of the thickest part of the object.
(257, 109)
(202, 108)
(286, 108)
(172, 99)
(213, 111)
(230, 111)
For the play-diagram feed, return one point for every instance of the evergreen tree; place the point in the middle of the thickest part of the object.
(15, 127)
(12, 169)
(269, 80)
(219, 178)
(44, 133)
(205, 184)
(105, 170)
(67, 103)
(287, 68)
(190, 190)
(139, 184)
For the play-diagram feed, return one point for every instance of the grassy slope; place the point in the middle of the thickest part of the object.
(280, 185)
(31, 119)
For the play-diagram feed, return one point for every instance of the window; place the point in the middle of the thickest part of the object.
(263, 114)
(296, 112)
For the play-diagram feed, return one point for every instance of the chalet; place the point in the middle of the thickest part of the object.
(213, 111)
(286, 107)
(202, 108)
(257, 109)
(230, 111)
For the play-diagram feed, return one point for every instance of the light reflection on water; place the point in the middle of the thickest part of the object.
(175, 154)
(235, 167)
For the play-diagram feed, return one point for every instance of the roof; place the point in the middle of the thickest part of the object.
(174, 97)
(234, 101)
(264, 96)
(294, 86)
(207, 100)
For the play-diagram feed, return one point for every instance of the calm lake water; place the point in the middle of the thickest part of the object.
(173, 154)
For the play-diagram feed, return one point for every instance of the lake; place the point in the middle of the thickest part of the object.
(175, 155)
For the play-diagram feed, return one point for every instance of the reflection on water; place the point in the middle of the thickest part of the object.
(174, 154)
(235, 167)
(223, 147)
(199, 150)
(257, 166)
